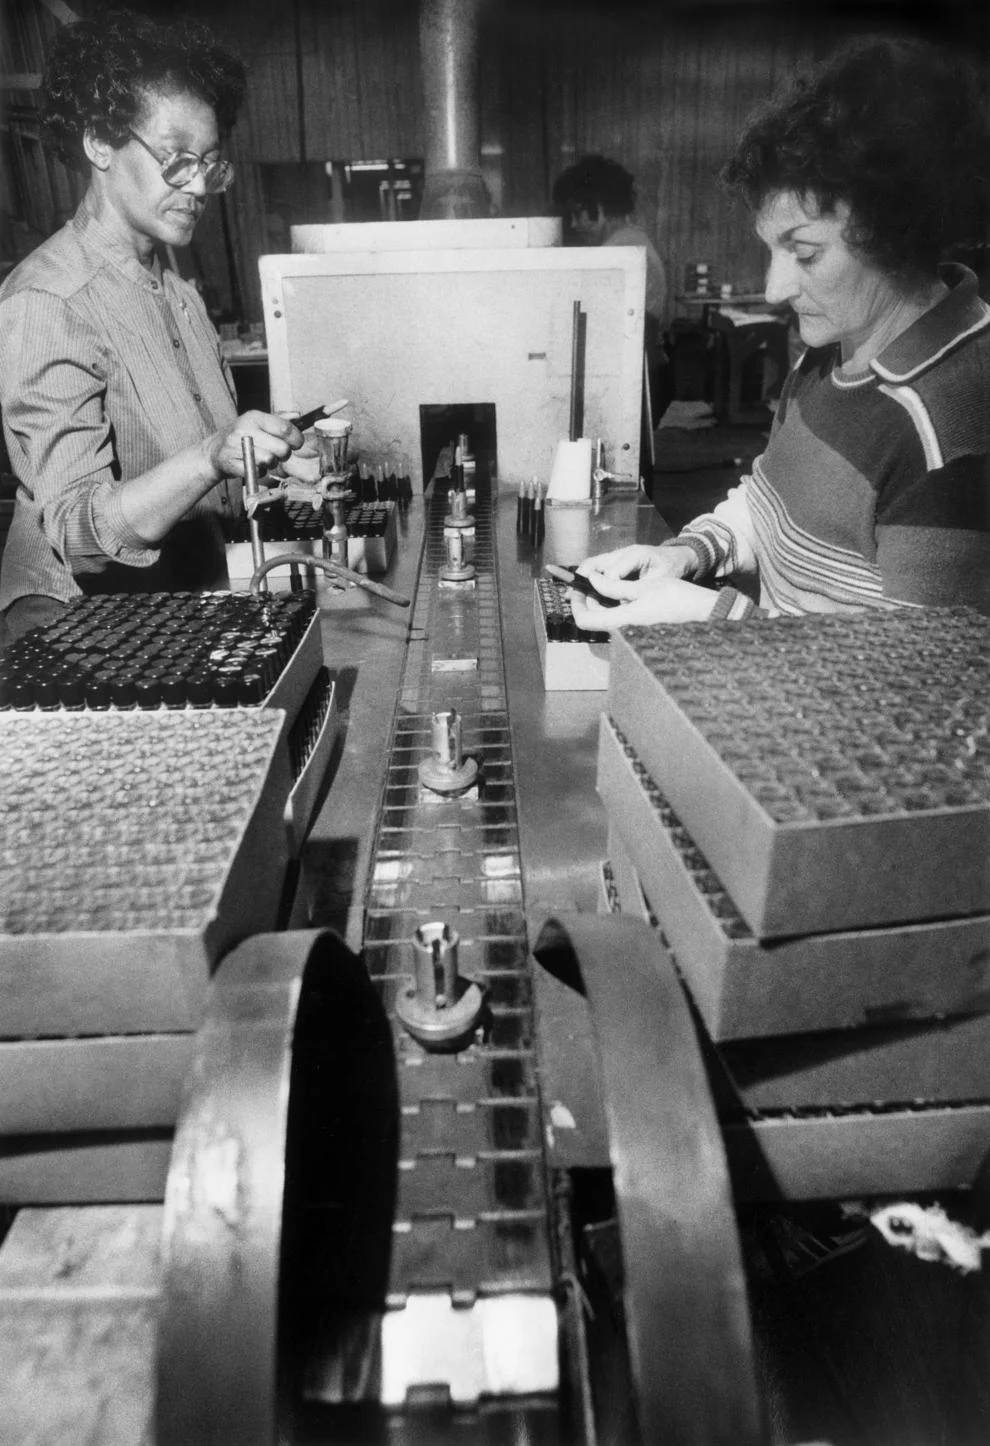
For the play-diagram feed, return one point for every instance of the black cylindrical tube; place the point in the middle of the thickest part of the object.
(539, 526)
(173, 687)
(199, 689)
(72, 691)
(123, 693)
(97, 692)
(148, 692)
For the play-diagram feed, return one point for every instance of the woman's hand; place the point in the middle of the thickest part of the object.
(641, 562)
(648, 582)
(276, 440)
(154, 502)
(649, 599)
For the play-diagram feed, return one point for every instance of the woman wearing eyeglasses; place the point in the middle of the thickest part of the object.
(118, 410)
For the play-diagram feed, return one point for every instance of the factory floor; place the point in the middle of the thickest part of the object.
(859, 1344)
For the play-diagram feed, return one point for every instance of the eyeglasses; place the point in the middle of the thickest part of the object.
(181, 167)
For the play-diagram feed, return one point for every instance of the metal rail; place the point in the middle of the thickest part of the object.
(471, 1241)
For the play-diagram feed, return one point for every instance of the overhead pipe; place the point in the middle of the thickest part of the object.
(448, 42)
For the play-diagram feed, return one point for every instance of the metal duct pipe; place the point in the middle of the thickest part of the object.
(448, 44)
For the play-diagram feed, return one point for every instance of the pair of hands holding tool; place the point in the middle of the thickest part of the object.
(279, 444)
(639, 585)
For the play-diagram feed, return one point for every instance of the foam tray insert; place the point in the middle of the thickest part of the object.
(137, 848)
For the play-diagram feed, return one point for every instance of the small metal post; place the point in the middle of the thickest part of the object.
(435, 949)
(251, 489)
(445, 735)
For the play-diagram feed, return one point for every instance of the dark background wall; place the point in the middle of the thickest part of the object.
(662, 87)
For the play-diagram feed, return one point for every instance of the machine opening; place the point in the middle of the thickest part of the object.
(441, 424)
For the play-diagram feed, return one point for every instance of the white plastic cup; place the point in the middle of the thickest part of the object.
(332, 435)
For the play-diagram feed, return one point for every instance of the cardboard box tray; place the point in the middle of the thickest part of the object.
(828, 767)
(157, 841)
(745, 988)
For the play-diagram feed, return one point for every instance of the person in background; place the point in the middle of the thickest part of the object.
(596, 198)
(874, 488)
(119, 412)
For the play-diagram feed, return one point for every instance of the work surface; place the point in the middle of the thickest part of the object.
(554, 735)
(79, 1286)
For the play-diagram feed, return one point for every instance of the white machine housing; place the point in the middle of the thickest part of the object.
(486, 233)
(394, 330)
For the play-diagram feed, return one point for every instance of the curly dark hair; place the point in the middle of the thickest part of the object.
(100, 70)
(896, 129)
(595, 181)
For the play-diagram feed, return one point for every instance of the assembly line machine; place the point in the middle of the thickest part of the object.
(397, 1021)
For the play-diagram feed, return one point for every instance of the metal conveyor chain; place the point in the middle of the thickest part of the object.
(471, 1255)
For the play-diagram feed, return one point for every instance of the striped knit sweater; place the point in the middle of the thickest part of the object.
(106, 369)
(873, 491)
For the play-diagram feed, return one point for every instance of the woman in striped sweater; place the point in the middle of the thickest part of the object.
(874, 488)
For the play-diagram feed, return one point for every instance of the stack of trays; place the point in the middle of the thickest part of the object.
(804, 806)
(138, 848)
(186, 651)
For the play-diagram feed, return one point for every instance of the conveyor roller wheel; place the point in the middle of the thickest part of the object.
(280, 1194)
(684, 1291)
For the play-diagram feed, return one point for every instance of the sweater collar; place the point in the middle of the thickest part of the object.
(958, 316)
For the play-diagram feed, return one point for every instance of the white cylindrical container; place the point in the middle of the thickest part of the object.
(332, 434)
(570, 479)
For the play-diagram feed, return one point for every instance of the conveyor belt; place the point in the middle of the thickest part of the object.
(471, 1261)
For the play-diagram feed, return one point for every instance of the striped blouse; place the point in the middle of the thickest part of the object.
(873, 491)
(106, 370)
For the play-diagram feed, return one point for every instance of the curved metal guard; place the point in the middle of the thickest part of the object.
(281, 1186)
(687, 1318)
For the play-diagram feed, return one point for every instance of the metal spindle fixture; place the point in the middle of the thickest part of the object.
(456, 568)
(441, 1010)
(447, 771)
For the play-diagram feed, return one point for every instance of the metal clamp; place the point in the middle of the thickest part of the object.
(458, 514)
(455, 569)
